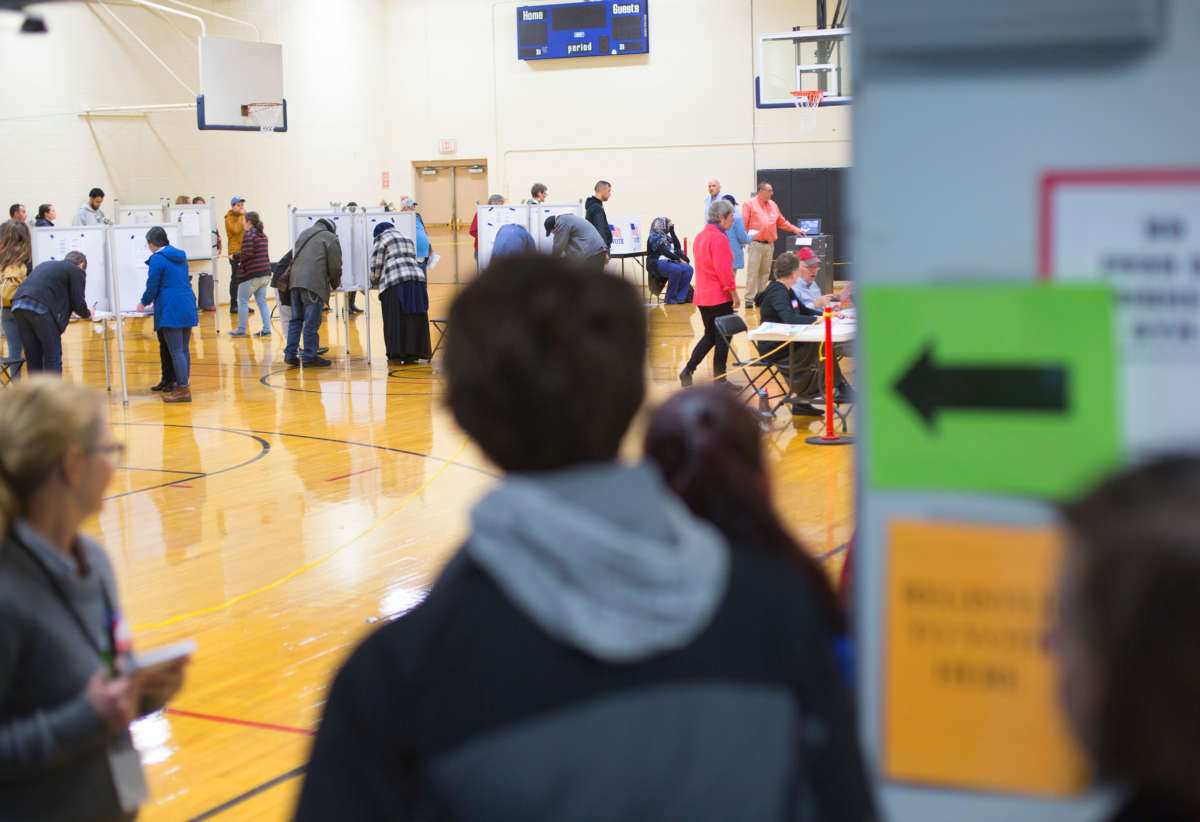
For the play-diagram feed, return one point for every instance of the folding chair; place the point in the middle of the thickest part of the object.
(441, 324)
(761, 376)
(9, 371)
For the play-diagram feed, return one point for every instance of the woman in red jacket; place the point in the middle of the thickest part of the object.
(716, 292)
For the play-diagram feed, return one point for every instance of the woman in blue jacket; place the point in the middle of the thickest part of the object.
(738, 238)
(167, 287)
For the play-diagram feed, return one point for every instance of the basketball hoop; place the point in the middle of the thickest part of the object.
(267, 116)
(807, 103)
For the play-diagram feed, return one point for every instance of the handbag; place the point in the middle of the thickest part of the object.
(10, 278)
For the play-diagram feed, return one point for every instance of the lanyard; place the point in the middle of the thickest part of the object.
(109, 611)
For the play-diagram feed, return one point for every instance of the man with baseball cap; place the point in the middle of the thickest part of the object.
(577, 240)
(235, 228)
(806, 288)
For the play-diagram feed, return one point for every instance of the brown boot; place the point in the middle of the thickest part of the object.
(181, 393)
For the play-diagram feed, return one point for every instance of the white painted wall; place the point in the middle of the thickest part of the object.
(372, 84)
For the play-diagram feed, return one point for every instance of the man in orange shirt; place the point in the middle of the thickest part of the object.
(762, 218)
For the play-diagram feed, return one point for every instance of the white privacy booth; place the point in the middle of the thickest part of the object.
(491, 218)
(354, 226)
(115, 277)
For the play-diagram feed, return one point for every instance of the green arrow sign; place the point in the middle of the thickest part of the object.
(990, 388)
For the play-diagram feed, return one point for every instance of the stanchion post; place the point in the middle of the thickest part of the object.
(830, 437)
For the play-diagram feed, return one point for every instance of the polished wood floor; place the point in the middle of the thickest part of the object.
(284, 513)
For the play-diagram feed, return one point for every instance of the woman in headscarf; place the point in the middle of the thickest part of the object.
(403, 295)
(665, 260)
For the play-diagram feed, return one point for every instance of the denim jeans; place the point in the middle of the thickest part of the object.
(258, 288)
(12, 334)
(679, 277)
(306, 316)
(178, 340)
(41, 339)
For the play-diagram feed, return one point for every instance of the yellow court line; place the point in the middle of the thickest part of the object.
(229, 603)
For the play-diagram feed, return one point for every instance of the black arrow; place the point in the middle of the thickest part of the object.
(931, 388)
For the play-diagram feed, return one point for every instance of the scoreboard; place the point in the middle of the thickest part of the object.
(582, 30)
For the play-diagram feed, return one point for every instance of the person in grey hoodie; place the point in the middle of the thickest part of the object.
(316, 268)
(67, 695)
(593, 651)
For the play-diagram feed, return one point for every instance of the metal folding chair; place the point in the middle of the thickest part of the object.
(9, 370)
(761, 376)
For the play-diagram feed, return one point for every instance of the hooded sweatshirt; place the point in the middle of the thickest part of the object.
(594, 213)
(593, 652)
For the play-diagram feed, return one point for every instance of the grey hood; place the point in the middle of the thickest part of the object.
(603, 558)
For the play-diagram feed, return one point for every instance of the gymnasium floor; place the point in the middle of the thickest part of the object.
(284, 512)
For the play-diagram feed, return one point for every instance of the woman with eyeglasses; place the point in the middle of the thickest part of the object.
(67, 690)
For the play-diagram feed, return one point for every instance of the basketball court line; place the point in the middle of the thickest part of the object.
(246, 723)
(255, 791)
(310, 565)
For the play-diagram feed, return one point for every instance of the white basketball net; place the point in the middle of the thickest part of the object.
(807, 103)
(267, 116)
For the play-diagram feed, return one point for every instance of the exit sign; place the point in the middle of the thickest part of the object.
(447, 146)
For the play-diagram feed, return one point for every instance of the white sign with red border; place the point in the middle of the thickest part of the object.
(1139, 230)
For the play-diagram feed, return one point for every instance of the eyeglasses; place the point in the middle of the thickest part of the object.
(116, 450)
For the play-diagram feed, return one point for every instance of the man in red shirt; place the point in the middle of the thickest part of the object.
(495, 199)
(716, 291)
(761, 214)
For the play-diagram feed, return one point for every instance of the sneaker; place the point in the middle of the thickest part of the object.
(266, 332)
(356, 310)
(316, 362)
(322, 350)
(233, 311)
(237, 332)
(251, 310)
(803, 409)
(292, 360)
(685, 378)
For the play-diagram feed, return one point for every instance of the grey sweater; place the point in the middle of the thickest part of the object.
(576, 238)
(53, 761)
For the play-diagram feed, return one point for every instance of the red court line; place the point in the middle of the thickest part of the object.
(179, 486)
(352, 473)
(265, 726)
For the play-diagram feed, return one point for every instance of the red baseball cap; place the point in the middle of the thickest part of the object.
(807, 254)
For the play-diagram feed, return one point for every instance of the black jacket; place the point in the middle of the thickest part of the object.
(42, 222)
(58, 285)
(594, 214)
(465, 709)
(777, 304)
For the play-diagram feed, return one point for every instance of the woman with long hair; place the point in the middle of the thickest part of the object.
(67, 691)
(709, 449)
(254, 275)
(16, 260)
(403, 295)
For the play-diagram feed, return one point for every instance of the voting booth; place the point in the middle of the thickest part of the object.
(354, 227)
(116, 272)
(531, 217)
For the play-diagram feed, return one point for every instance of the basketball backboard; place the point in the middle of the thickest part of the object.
(235, 74)
(803, 60)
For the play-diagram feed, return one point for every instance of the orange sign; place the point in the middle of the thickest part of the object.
(969, 693)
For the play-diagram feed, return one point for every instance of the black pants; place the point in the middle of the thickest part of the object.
(233, 285)
(711, 340)
(165, 360)
(41, 340)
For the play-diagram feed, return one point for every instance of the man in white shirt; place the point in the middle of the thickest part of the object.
(806, 288)
(714, 193)
(89, 213)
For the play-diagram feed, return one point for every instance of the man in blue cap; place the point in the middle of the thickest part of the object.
(235, 228)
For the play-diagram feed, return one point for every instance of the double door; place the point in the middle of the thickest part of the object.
(447, 192)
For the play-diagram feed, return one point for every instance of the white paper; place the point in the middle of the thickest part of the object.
(751, 233)
(142, 218)
(434, 259)
(804, 241)
(189, 224)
